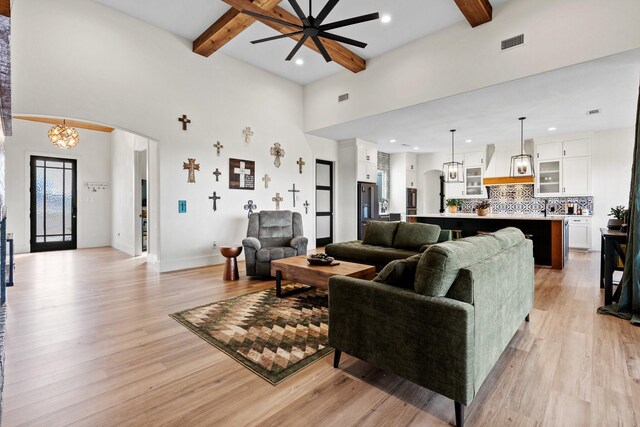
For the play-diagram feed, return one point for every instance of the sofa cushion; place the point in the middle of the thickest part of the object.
(356, 251)
(439, 264)
(275, 228)
(380, 233)
(269, 254)
(413, 236)
(509, 237)
(400, 272)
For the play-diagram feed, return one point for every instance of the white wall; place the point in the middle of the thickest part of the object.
(460, 58)
(93, 154)
(398, 181)
(325, 149)
(122, 72)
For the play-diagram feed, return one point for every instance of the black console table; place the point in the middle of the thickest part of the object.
(610, 252)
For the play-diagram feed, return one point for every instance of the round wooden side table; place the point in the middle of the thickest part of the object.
(231, 263)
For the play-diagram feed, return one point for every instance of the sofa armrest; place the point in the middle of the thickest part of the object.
(427, 340)
(299, 243)
(445, 236)
(251, 242)
(425, 247)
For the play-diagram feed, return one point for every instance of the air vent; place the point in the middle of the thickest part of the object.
(512, 42)
(406, 145)
(590, 112)
(343, 97)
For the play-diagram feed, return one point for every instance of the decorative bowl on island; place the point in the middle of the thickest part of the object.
(319, 259)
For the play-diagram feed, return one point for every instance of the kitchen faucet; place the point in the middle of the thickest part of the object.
(546, 201)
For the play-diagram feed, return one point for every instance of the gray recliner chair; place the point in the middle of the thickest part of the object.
(272, 235)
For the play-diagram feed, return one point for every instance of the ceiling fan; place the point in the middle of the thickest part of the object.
(313, 28)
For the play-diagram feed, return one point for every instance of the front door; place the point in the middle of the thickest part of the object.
(324, 203)
(53, 204)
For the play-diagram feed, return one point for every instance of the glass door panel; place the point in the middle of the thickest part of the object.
(324, 203)
(473, 181)
(53, 204)
(549, 177)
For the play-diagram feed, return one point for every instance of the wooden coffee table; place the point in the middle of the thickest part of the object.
(298, 269)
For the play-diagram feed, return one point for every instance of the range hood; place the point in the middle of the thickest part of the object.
(498, 161)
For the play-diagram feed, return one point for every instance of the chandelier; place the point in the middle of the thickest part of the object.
(522, 164)
(63, 136)
(453, 171)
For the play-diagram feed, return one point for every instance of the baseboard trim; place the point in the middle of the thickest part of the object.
(165, 266)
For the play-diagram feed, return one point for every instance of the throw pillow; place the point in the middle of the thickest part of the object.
(380, 233)
(400, 272)
(414, 236)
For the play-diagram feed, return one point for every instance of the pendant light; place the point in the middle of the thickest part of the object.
(522, 164)
(452, 171)
(63, 136)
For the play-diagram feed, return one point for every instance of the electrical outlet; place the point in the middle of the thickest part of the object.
(215, 244)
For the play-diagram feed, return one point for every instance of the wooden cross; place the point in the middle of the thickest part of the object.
(185, 121)
(306, 206)
(217, 173)
(242, 171)
(266, 180)
(293, 193)
(300, 163)
(218, 146)
(250, 207)
(215, 198)
(277, 198)
(248, 133)
(192, 166)
(278, 152)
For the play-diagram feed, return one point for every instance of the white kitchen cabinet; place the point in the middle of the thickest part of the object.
(473, 182)
(367, 171)
(474, 158)
(454, 190)
(367, 161)
(579, 233)
(576, 148)
(576, 176)
(549, 178)
(412, 179)
(412, 162)
(549, 150)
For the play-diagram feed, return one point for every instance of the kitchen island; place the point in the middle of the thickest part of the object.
(550, 234)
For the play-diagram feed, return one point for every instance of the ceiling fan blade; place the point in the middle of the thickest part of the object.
(325, 11)
(281, 36)
(296, 48)
(321, 48)
(268, 18)
(296, 7)
(350, 21)
(341, 39)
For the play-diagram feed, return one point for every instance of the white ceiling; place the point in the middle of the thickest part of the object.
(411, 20)
(560, 99)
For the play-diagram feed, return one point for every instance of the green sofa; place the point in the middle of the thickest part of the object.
(384, 242)
(440, 319)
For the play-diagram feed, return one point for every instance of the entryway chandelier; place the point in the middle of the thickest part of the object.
(452, 171)
(522, 164)
(63, 136)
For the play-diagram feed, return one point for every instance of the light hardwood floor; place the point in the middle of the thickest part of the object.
(89, 342)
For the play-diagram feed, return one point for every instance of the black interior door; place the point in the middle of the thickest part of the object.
(324, 203)
(53, 204)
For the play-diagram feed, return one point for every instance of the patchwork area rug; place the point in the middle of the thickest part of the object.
(274, 337)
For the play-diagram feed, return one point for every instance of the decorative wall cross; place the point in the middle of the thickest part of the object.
(217, 173)
(242, 171)
(277, 198)
(250, 207)
(306, 206)
(293, 193)
(218, 146)
(215, 198)
(300, 163)
(248, 133)
(266, 180)
(278, 152)
(192, 166)
(185, 121)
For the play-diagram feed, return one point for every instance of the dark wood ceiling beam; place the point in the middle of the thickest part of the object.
(340, 54)
(226, 28)
(477, 12)
(5, 8)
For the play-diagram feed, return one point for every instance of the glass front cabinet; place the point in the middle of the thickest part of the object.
(548, 182)
(473, 181)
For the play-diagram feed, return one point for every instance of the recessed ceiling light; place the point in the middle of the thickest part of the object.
(385, 19)
(467, 140)
(551, 129)
(416, 148)
(299, 61)
(392, 141)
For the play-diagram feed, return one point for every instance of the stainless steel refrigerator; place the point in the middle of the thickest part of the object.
(368, 207)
